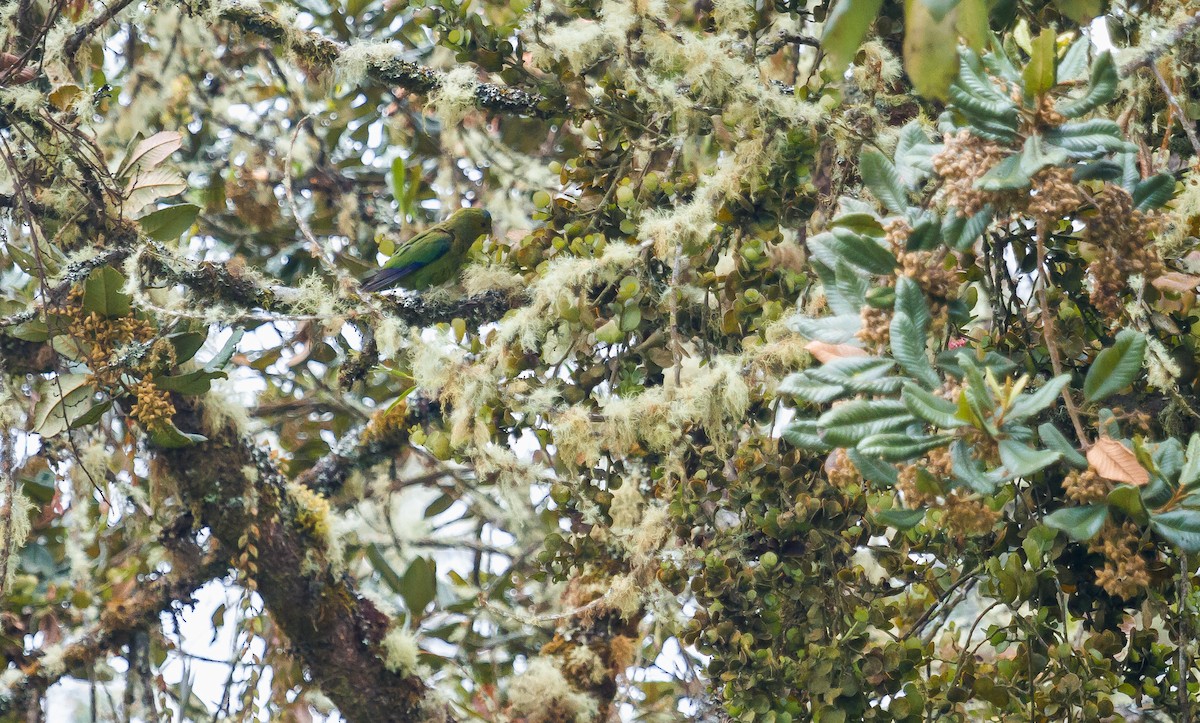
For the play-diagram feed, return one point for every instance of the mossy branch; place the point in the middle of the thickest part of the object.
(234, 489)
(322, 53)
(121, 619)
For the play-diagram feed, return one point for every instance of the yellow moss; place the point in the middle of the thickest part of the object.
(582, 42)
(312, 511)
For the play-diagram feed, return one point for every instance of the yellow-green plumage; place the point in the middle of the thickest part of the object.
(433, 256)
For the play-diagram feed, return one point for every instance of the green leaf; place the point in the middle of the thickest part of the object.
(806, 389)
(1054, 439)
(846, 424)
(804, 434)
(1128, 499)
(940, 8)
(1040, 73)
(881, 177)
(862, 251)
(1153, 192)
(909, 329)
(877, 472)
(1027, 405)
(92, 415)
(842, 329)
(66, 398)
(930, 407)
(1021, 460)
(380, 563)
(969, 470)
(1189, 476)
(226, 353)
(1090, 138)
(190, 383)
(167, 436)
(186, 344)
(1180, 527)
(170, 222)
(1006, 175)
(899, 519)
(1074, 63)
(1116, 367)
(961, 232)
(845, 27)
(913, 157)
(972, 23)
(1036, 155)
(1080, 523)
(862, 374)
(419, 585)
(866, 224)
(102, 293)
(900, 447)
(1081, 11)
(1102, 86)
(930, 50)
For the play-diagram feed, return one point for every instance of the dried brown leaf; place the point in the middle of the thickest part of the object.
(1114, 461)
(826, 353)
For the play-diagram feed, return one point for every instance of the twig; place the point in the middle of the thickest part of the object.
(1179, 32)
(1188, 127)
(1049, 335)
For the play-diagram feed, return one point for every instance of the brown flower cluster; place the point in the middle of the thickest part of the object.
(99, 337)
(1054, 194)
(966, 514)
(1125, 573)
(1123, 236)
(963, 161)
(841, 471)
(1047, 115)
(876, 328)
(153, 408)
(1085, 487)
(937, 463)
(939, 283)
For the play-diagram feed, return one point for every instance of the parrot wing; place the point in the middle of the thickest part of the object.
(417, 253)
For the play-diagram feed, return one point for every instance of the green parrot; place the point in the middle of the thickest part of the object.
(433, 256)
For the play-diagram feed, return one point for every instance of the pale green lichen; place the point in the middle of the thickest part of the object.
(357, 60)
(400, 651)
(455, 97)
(480, 278)
(17, 522)
(542, 691)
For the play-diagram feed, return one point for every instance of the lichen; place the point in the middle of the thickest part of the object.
(400, 651)
(542, 695)
(455, 97)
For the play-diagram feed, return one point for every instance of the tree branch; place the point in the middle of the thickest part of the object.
(236, 492)
(323, 53)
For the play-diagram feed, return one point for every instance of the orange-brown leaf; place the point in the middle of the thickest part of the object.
(826, 353)
(1114, 461)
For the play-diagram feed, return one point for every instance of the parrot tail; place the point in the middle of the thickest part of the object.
(385, 277)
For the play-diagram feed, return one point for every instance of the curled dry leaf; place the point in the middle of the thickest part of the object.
(1114, 461)
(826, 353)
(8, 61)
